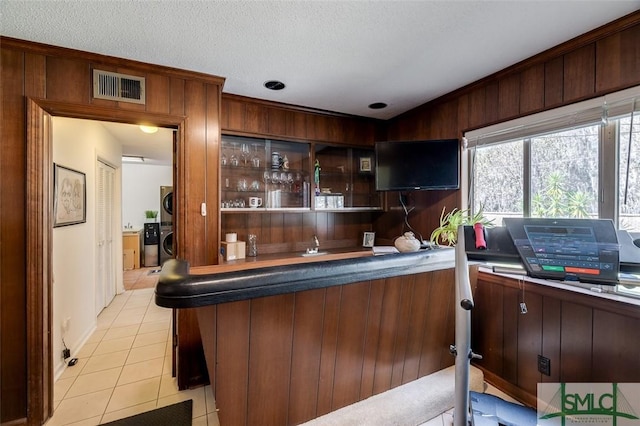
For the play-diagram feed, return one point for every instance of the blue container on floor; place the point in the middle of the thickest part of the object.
(489, 410)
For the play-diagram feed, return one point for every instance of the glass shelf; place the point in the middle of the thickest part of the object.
(347, 179)
(279, 176)
(276, 173)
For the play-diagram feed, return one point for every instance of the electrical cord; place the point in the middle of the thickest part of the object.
(406, 218)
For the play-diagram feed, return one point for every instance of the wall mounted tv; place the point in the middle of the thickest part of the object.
(418, 165)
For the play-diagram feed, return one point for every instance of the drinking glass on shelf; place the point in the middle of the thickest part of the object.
(233, 160)
(298, 183)
(255, 161)
(290, 181)
(245, 153)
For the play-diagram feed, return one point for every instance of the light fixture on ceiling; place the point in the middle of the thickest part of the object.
(148, 129)
(274, 85)
(132, 159)
(377, 105)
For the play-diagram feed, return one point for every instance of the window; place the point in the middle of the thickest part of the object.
(498, 178)
(564, 174)
(582, 160)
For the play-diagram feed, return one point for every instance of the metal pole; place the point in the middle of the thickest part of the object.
(463, 354)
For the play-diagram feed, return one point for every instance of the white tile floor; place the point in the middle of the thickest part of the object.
(125, 368)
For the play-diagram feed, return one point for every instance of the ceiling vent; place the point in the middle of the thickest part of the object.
(118, 87)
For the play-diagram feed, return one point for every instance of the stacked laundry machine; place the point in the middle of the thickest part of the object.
(166, 223)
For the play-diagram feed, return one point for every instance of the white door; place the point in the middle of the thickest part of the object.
(105, 265)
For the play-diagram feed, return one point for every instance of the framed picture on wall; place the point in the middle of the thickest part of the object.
(69, 196)
(365, 165)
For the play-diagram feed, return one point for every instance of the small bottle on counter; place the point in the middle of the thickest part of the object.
(252, 246)
(316, 176)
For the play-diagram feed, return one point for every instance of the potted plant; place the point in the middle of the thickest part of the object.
(151, 215)
(449, 223)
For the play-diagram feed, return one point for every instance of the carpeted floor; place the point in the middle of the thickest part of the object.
(172, 415)
(411, 404)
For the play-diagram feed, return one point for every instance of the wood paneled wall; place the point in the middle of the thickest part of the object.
(254, 117)
(292, 232)
(59, 82)
(283, 360)
(587, 338)
(599, 62)
(596, 63)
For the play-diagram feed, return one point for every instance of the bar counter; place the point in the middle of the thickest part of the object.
(180, 286)
(286, 340)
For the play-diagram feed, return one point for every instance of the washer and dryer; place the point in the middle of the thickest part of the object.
(166, 223)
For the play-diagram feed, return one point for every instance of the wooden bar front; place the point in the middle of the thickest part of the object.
(286, 359)
(288, 340)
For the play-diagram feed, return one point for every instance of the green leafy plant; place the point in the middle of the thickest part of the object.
(554, 200)
(449, 223)
(151, 214)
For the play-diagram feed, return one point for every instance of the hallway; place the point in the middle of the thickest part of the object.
(124, 368)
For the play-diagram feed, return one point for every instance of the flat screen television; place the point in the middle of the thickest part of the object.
(417, 165)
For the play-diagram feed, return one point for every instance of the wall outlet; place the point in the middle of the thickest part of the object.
(66, 353)
(544, 365)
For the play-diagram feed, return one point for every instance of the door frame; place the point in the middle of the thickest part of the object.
(39, 224)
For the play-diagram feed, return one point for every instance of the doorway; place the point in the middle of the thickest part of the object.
(88, 257)
(39, 196)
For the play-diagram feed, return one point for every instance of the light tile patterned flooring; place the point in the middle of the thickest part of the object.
(136, 279)
(125, 366)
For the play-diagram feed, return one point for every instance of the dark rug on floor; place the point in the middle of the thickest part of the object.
(172, 415)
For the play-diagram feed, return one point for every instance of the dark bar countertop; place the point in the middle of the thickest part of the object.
(180, 286)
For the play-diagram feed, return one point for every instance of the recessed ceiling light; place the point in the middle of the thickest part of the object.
(377, 105)
(274, 85)
(149, 129)
(132, 159)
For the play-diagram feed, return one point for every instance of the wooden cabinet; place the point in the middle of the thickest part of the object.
(262, 174)
(131, 249)
(346, 179)
(585, 337)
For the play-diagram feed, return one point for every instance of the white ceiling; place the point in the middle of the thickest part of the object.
(333, 55)
(156, 148)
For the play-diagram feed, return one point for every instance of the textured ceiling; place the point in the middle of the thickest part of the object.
(333, 55)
